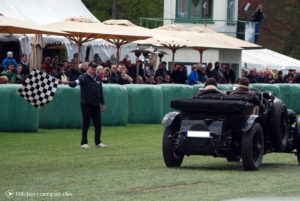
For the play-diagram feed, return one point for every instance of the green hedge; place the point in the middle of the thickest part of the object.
(129, 103)
(225, 87)
(172, 91)
(116, 105)
(196, 88)
(268, 87)
(63, 111)
(144, 103)
(290, 95)
(16, 114)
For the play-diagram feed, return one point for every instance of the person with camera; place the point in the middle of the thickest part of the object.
(257, 17)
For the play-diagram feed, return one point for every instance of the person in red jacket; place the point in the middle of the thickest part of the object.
(46, 66)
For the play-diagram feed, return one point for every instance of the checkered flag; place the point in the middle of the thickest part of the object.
(39, 88)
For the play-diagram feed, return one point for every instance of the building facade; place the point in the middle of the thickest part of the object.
(218, 15)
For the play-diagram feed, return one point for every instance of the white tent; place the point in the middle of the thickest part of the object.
(265, 58)
(43, 12)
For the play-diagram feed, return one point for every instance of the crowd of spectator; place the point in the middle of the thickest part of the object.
(11, 72)
(126, 72)
(269, 77)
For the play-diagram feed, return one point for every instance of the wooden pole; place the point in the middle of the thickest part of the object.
(201, 55)
(200, 50)
(118, 44)
(173, 58)
(173, 48)
(79, 41)
(118, 53)
(79, 51)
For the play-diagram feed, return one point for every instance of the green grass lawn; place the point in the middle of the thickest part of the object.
(131, 168)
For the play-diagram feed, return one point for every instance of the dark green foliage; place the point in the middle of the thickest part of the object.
(282, 23)
(131, 10)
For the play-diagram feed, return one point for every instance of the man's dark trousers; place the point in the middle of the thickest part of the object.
(91, 112)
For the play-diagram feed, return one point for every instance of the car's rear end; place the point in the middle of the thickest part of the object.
(210, 127)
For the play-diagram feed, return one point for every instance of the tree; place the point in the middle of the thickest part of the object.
(100, 8)
(282, 26)
(280, 29)
(114, 9)
(131, 10)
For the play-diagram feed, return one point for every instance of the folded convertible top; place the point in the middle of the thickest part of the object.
(211, 105)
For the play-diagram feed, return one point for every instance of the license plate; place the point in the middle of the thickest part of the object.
(201, 134)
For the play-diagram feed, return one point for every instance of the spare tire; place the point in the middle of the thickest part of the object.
(279, 126)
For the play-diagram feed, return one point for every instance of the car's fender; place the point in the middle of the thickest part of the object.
(250, 121)
(169, 118)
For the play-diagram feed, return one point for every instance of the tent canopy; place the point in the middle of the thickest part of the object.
(265, 58)
(84, 29)
(14, 26)
(208, 33)
(43, 12)
(98, 30)
(187, 37)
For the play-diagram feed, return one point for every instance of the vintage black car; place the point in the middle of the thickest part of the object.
(232, 127)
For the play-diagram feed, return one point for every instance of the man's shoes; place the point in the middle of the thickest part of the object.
(101, 145)
(85, 146)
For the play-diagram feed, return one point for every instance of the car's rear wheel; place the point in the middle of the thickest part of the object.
(170, 157)
(252, 148)
(279, 126)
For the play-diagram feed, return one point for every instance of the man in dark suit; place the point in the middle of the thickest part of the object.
(91, 99)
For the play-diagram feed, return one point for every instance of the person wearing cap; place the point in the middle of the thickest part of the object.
(9, 59)
(74, 72)
(279, 78)
(243, 90)
(61, 73)
(91, 98)
(210, 89)
(289, 77)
